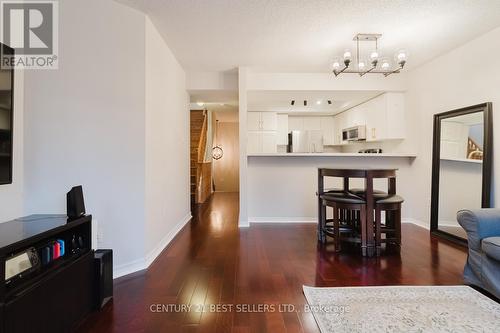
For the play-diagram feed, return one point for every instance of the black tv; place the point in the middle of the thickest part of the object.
(6, 117)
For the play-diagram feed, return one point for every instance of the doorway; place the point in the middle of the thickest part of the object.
(226, 139)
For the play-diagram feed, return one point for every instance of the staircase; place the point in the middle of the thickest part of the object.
(201, 171)
(197, 122)
(474, 151)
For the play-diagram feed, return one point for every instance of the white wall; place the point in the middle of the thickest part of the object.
(84, 123)
(115, 121)
(11, 195)
(167, 144)
(460, 78)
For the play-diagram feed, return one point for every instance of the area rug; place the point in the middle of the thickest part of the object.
(402, 309)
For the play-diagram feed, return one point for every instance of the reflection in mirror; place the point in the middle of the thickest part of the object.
(5, 125)
(460, 172)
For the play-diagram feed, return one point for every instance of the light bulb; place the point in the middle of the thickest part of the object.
(318, 102)
(347, 55)
(200, 103)
(385, 65)
(361, 65)
(374, 55)
(336, 64)
(401, 56)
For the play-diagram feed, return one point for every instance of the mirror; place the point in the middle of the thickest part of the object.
(6, 119)
(461, 167)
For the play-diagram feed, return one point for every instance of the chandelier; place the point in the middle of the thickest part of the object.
(375, 64)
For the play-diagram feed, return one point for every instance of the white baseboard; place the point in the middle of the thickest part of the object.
(416, 222)
(315, 220)
(144, 263)
(283, 219)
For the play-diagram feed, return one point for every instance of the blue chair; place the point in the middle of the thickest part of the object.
(483, 262)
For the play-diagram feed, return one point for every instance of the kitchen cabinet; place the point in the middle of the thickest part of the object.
(339, 123)
(262, 132)
(262, 121)
(261, 142)
(327, 125)
(282, 135)
(312, 123)
(295, 123)
(383, 116)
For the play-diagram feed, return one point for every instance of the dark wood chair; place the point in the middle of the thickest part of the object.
(343, 222)
(392, 229)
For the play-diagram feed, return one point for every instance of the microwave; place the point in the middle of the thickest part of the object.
(356, 133)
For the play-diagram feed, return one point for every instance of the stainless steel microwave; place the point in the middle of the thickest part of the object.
(356, 133)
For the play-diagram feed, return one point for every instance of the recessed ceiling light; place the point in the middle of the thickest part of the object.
(200, 103)
(318, 102)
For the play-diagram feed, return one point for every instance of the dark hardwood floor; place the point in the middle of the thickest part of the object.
(211, 261)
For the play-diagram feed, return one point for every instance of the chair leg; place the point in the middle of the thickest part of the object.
(362, 221)
(397, 223)
(336, 227)
(321, 221)
(378, 227)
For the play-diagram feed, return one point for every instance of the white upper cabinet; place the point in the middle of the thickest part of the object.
(383, 116)
(262, 134)
(269, 121)
(282, 138)
(312, 123)
(328, 129)
(386, 117)
(295, 123)
(262, 121)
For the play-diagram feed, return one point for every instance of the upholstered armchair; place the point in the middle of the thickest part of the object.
(483, 262)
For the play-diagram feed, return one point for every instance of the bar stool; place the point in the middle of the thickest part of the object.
(322, 214)
(389, 204)
(362, 193)
(343, 201)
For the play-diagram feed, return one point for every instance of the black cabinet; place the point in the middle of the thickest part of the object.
(57, 295)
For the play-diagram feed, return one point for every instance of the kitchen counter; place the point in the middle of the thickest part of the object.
(332, 155)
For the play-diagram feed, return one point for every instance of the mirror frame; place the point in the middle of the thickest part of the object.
(486, 108)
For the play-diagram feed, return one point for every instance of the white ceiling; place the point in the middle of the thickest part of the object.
(280, 101)
(298, 35)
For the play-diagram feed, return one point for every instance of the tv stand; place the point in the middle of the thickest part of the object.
(54, 296)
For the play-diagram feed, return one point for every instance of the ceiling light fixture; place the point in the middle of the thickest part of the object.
(378, 66)
(217, 151)
(318, 102)
(200, 103)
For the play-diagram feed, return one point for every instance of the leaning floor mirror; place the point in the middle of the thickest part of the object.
(461, 167)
